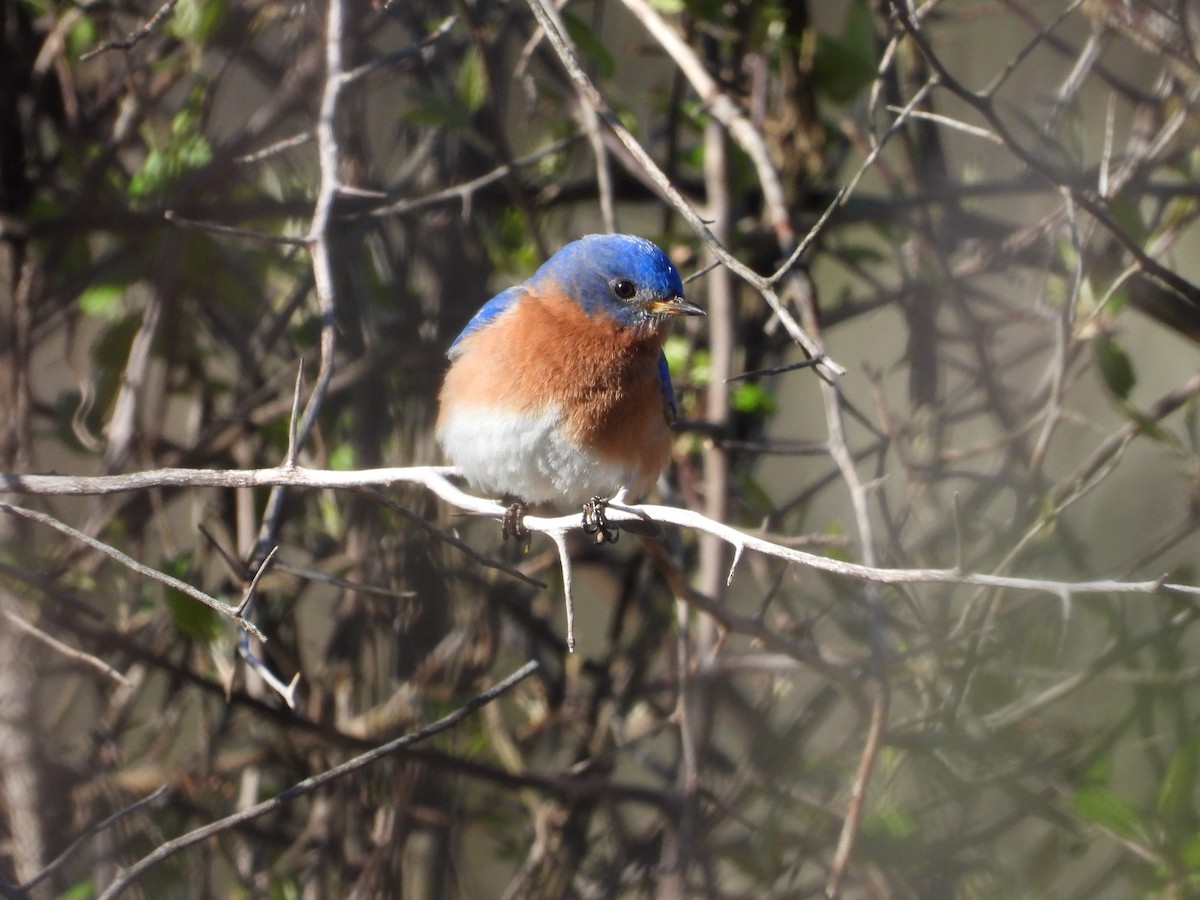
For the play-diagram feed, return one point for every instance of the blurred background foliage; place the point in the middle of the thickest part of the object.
(1010, 282)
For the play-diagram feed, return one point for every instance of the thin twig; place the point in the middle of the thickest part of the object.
(59, 861)
(462, 193)
(232, 564)
(858, 790)
(130, 563)
(949, 122)
(374, 590)
(1086, 199)
(167, 850)
(390, 59)
(725, 111)
(275, 148)
(308, 785)
(134, 37)
(252, 589)
(547, 17)
(604, 182)
(234, 231)
(564, 558)
(776, 370)
(329, 156)
(450, 539)
(66, 650)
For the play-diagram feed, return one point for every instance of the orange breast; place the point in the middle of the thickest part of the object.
(547, 353)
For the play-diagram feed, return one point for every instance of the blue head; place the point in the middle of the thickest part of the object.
(619, 275)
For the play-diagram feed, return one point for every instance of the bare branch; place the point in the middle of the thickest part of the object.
(547, 17)
(390, 59)
(858, 791)
(462, 193)
(252, 588)
(275, 148)
(437, 480)
(234, 231)
(308, 785)
(86, 658)
(132, 564)
(725, 111)
(134, 37)
(1085, 197)
(75, 845)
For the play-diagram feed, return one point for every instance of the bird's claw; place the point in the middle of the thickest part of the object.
(513, 523)
(596, 522)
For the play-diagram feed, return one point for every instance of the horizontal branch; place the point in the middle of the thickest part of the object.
(437, 480)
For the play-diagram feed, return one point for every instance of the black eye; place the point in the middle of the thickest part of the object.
(624, 288)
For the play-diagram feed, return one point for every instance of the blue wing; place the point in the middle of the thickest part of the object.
(487, 313)
(664, 384)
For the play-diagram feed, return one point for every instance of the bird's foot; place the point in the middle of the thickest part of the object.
(596, 522)
(513, 523)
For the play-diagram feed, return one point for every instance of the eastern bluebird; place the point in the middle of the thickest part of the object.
(558, 389)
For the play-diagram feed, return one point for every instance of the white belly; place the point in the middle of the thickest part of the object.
(525, 456)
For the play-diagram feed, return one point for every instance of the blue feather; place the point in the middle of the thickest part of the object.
(664, 384)
(487, 314)
(586, 269)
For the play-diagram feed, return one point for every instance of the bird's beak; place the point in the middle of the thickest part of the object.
(674, 306)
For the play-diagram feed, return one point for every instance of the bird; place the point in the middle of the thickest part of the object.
(558, 390)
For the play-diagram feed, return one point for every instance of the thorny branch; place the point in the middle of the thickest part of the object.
(437, 480)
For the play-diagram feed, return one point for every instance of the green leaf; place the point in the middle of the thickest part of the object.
(283, 889)
(754, 399)
(1176, 794)
(1129, 217)
(894, 822)
(189, 615)
(676, 350)
(342, 458)
(186, 150)
(163, 166)
(82, 37)
(434, 108)
(1189, 853)
(103, 301)
(845, 66)
(1102, 807)
(151, 176)
(589, 45)
(1116, 368)
(196, 21)
(472, 80)
(699, 367)
(84, 890)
